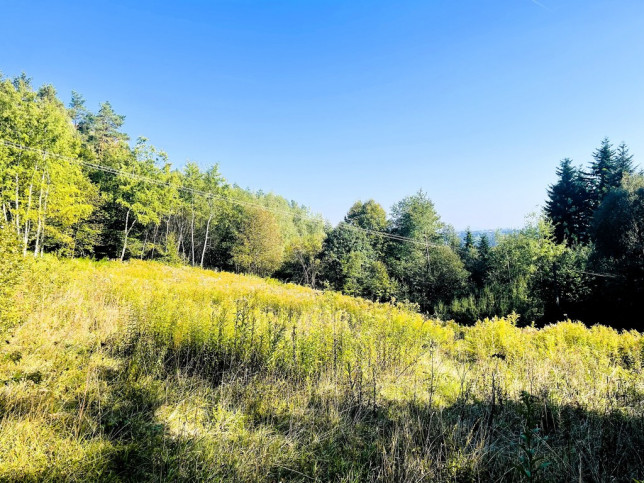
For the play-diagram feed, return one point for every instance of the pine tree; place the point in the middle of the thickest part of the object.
(482, 266)
(568, 204)
(77, 111)
(603, 171)
(623, 165)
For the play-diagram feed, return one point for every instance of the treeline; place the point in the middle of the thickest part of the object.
(72, 183)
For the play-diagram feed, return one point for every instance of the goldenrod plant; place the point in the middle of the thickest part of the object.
(140, 371)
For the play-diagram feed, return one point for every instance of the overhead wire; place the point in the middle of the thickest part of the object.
(209, 194)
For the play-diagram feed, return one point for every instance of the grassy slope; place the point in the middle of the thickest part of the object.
(141, 371)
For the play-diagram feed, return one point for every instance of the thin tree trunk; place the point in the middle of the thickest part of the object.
(40, 214)
(44, 221)
(145, 242)
(192, 236)
(154, 240)
(27, 222)
(205, 241)
(25, 239)
(17, 217)
(126, 232)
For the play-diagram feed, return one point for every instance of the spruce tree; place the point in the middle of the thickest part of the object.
(568, 204)
(623, 165)
(603, 171)
(482, 266)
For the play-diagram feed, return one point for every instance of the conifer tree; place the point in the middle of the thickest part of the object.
(603, 171)
(623, 165)
(568, 204)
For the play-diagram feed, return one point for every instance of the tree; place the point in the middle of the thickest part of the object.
(102, 130)
(426, 269)
(193, 180)
(369, 216)
(345, 255)
(258, 248)
(618, 236)
(519, 265)
(372, 218)
(43, 191)
(214, 185)
(569, 204)
(303, 256)
(482, 264)
(603, 171)
(623, 165)
(77, 110)
(469, 254)
(139, 190)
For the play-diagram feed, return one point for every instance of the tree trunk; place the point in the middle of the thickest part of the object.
(154, 240)
(192, 236)
(40, 214)
(17, 215)
(27, 222)
(126, 232)
(205, 241)
(44, 221)
(145, 242)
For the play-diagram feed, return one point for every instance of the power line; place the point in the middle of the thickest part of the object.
(207, 194)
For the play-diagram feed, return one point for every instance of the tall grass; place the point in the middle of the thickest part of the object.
(141, 371)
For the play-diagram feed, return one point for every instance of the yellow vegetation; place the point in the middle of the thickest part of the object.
(138, 370)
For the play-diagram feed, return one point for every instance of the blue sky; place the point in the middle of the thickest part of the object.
(327, 102)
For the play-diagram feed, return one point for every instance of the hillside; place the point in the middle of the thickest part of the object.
(142, 371)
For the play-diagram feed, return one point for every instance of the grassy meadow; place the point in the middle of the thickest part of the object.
(141, 371)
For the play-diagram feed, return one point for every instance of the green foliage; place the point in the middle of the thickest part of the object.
(427, 270)
(518, 276)
(46, 199)
(259, 249)
(302, 259)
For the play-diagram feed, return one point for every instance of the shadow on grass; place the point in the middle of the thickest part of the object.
(343, 437)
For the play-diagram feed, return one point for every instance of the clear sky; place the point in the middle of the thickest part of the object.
(327, 102)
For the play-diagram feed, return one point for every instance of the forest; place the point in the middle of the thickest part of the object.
(74, 184)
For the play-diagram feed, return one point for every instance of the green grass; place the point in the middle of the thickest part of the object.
(141, 371)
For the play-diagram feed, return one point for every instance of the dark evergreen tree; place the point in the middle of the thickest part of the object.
(482, 265)
(468, 242)
(469, 255)
(623, 165)
(569, 204)
(618, 236)
(603, 171)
